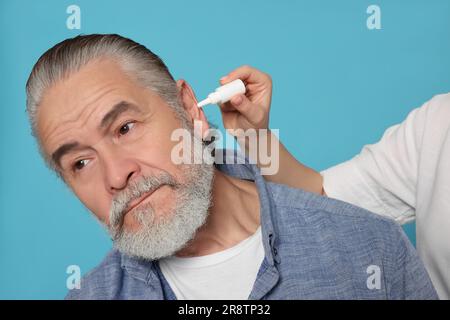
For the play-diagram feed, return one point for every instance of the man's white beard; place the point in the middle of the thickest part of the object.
(163, 234)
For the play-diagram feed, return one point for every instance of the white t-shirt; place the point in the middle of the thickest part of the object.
(406, 176)
(228, 274)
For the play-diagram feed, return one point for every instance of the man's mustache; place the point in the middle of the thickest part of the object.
(121, 203)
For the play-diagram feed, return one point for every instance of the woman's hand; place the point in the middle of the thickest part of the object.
(249, 110)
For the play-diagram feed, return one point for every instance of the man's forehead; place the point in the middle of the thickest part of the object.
(85, 86)
(99, 79)
(85, 94)
(59, 116)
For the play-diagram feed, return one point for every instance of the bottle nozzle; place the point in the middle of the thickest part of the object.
(204, 102)
(224, 93)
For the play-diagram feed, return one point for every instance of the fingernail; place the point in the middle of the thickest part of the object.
(223, 78)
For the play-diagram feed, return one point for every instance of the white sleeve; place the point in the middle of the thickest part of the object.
(383, 177)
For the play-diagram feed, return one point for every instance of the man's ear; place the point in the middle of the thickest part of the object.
(189, 103)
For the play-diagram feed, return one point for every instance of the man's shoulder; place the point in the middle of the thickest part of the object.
(346, 237)
(100, 282)
(299, 199)
(333, 215)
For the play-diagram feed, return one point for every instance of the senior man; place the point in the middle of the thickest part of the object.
(103, 109)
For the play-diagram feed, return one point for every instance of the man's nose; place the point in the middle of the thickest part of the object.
(119, 170)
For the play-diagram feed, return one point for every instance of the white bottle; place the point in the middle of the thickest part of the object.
(224, 93)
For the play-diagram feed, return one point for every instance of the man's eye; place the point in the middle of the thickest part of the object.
(78, 165)
(125, 128)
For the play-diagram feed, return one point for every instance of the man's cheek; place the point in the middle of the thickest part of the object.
(155, 155)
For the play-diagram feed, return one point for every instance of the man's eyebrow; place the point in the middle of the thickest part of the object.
(115, 111)
(62, 150)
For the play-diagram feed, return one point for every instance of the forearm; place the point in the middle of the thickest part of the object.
(290, 171)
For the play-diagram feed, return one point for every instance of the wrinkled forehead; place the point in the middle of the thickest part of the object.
(84, 98)
(84, 87)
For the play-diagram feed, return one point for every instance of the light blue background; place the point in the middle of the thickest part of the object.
(337, 86)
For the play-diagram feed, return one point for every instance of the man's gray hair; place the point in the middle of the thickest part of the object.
(68, 56)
